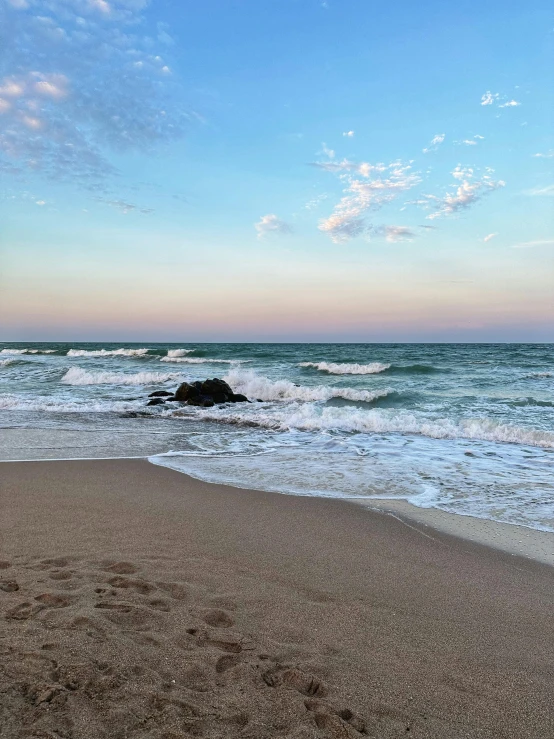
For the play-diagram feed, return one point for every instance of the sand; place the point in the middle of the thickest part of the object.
(138, 602)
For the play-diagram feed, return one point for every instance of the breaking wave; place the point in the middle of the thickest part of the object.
(28, 351)
(199, 360)
(305, 417)
(252, 385)
(79, 376)
(107, 353)
(6, 362)
(53, 405)
(178, 353)
(347, 369)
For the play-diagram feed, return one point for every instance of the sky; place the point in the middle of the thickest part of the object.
(276, 170)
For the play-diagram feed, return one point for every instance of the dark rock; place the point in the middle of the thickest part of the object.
(202, 401)
(156, 401)
(185, 391)
(160, 394)
(173, 399)
(217, 389)
(206, 394)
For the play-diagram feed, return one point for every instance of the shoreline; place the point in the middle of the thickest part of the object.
(510, 538)
(139, 601)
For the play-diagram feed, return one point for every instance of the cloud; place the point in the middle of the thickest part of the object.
(349, 134)
(436, 141)
(494, 98)
(489, 237)
(271, 224)
(364, 195)
(393, 234)
(316, 202)
(545, 155)
(468, 142)
(468, 190)
(489, 98)
(477, 136)
(541, 191)
(124, 207)
(327, 151)
(82, 81)
(531, 244)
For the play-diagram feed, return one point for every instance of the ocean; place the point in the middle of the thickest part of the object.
(463, 428)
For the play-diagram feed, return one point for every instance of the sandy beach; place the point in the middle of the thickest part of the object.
(138, 602)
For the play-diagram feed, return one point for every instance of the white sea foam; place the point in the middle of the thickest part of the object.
(308, 417)
(108, 353)
(79, 376)
(198, 360)
(27, 351)
(347, 369)
(178, 352)
(252, 385)
(6, 362)
(58, 405)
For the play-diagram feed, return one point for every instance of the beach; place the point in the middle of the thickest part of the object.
(139, 602)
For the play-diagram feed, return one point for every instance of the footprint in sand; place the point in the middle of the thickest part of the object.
(140, 586)
(9, 586)
(294, 679)
(51, 600)
(4, 564)
(334, 720)
(57, 562)
(121, 568)
(23, 611)
(61, 575)
(218, 618)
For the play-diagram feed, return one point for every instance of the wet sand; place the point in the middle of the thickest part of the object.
(138, 602)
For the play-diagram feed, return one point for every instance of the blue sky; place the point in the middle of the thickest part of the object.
(291, 170)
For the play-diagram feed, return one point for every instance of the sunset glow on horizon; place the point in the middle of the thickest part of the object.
(276, 172)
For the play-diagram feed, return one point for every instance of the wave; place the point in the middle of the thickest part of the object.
(6, 362)
(347, 369)
(539, 375)
(25, 403)
(200, 360)
(252, 385)
(308, 417)
(107, 353)
(28, 351)
(178, 352)
(79, 376)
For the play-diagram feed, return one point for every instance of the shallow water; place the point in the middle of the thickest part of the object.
(463, 428)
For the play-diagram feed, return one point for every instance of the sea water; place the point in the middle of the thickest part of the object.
(464, 428)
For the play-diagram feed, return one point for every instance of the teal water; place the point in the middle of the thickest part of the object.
(463, 428)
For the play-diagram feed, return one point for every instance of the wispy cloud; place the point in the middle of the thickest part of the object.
(379, 184)
(548, 190)
(327, 151)
(494, 98)
(348, 134)
(489, 98)
(316, 202)
(124, 207)
(436, 141)
(82, 81)
(271, 224)
(468, 191)
(545, 154)
(393, 234)
(489, 237)
(531, 244)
